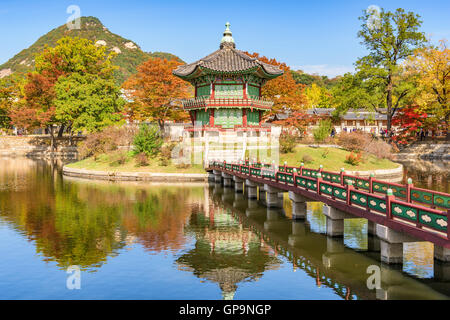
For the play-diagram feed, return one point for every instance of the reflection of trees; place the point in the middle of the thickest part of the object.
(76, 223)
(224, 252)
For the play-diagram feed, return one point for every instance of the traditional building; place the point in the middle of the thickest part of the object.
(227, 89)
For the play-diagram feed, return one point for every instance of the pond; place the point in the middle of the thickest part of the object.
(185, 241)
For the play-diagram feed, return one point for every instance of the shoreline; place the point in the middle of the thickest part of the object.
(133, 176)
(392, 175)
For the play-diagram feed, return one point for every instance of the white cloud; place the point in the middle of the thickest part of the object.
(325, 69)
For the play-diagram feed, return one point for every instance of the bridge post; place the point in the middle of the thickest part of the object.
(273, 200)
(335, 221)
(391, 244)
(441, 253)
(251, 187)
(298, 206)
(227, 180)
(238, 184)
(371, 228)
(217, 176)
(262, 195)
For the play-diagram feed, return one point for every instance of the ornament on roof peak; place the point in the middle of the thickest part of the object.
(227, 40)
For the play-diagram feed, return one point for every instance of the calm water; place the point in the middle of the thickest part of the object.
(185, 241)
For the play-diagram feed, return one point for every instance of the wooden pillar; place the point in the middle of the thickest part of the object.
(211, 118)
(244, 117)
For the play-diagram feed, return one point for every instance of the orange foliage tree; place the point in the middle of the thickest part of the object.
(286, 94)
(155, 93)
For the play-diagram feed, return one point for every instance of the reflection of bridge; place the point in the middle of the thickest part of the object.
(396, 213)
(323, 258)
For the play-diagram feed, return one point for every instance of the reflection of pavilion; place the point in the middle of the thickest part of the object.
(224, 252)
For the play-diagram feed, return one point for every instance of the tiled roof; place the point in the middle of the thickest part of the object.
(351, 114)
(227, 59)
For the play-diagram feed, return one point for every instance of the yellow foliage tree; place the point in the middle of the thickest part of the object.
(432, 69)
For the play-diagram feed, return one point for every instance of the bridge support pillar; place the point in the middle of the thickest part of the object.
(217, 176)
(336, 214)
(227, 180)
(262, 196)
(273, 198)
(252, 192)
(211, 176)
(371, 227)
(373, 244)
(441, 271)
(335, 221)
(391, 244)
(238, 184)
(441, 253)
(391, 253)
(298, 206)
(335, 228)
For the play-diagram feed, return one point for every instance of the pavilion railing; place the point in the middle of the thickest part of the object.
(256, 102)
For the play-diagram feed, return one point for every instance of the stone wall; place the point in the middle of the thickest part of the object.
(37, 147)
(426, 151)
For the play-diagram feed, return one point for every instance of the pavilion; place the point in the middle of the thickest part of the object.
(227, 86)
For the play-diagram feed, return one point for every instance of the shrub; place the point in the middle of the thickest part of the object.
(379, 148)
(360, 141)
(354, 159)
(323, 131)
(288, 142)
(307, 158)
(183, 166)
(148, 140)
(108, 140)
(354, 141)
(141, 159)
(166, 154)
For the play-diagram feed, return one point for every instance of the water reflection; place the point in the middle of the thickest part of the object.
(205, 232)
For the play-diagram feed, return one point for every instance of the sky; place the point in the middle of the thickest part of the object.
(314, 36)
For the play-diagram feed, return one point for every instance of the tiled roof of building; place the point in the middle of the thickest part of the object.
(227, 60)
(351, 114)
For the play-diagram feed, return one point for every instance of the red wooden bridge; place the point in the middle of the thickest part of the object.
(417, 212)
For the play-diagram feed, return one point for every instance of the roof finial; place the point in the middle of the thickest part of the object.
(227, 39)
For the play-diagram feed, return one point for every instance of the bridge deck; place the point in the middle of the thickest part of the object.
(418, 212)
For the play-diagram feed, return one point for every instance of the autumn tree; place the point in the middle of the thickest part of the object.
(409, 120)
(71, 55)
(286, 94)
(87, 102)
(431, 65)
(317, 97)
(389, 42)
(11, 89)
(155, 93)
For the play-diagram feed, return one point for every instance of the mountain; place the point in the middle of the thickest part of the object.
(128, 58)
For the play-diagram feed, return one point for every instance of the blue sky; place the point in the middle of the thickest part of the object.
(316, 36)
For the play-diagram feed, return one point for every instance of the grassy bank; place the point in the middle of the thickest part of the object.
(114, 162)
(333, 159)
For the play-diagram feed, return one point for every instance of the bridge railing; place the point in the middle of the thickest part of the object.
(407, 192)
(420, 207)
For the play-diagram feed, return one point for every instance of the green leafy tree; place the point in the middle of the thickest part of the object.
(389, 43)
(87, 102)
(323, 131)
